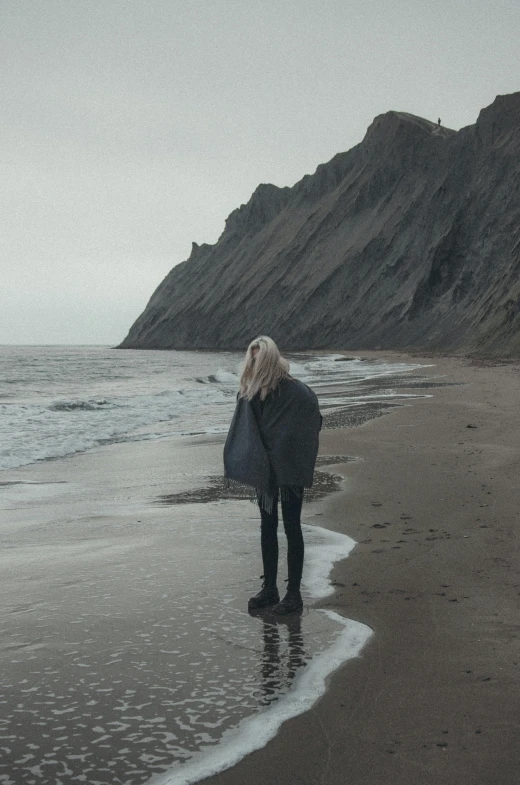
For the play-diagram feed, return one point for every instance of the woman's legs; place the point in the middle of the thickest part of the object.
(269, 542)
(291, 512)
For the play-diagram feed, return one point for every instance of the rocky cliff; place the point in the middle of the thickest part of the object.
(409, 239)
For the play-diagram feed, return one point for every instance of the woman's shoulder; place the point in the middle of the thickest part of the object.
(295, 387)
(294, 382)
(289, 386)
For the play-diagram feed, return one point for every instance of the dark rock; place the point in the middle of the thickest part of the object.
(409, 239)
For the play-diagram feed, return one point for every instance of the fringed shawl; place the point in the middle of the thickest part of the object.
(272, 444)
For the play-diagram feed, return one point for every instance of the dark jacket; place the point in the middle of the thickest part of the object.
(274, 443)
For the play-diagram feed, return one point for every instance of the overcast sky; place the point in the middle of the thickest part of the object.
(131, 128)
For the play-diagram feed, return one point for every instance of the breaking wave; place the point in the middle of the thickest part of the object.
(72, 406)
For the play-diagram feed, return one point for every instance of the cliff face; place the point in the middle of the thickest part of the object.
(410, 239)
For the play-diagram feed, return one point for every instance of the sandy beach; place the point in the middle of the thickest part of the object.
(126, 645)
(98, 553)
(433, 503)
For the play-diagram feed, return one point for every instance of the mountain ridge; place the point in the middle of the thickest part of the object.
(409, 240)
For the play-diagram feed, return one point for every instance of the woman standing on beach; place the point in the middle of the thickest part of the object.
(272, 447)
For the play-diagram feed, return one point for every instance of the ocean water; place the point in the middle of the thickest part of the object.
(126, 650)
(56, 401)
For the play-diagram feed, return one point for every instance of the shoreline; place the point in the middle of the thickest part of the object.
(52, 496)
(324, 548)
(258, 729)
(360, 587)
(431, 699)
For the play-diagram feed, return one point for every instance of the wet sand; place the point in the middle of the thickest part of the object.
(126, 647)
(433, 503)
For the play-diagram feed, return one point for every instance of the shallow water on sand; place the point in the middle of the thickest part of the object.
(126, 644)
(126, 649)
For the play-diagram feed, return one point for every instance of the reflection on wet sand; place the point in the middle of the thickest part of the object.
(283, 653)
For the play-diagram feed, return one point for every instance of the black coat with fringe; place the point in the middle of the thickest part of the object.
(273, 444)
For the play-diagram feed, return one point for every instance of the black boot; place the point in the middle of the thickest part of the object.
(291, 603)
(268, 595)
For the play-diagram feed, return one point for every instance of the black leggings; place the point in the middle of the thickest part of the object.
(291, 510)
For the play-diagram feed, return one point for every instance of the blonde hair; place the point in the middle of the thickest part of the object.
(263, 372)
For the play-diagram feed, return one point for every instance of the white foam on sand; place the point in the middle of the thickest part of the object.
(320, 556)
(256, 731)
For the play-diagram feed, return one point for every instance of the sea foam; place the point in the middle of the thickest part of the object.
(310, 684)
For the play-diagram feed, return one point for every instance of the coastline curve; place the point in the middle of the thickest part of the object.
(254, 732)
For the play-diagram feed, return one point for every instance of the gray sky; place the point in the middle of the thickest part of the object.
(129, 129)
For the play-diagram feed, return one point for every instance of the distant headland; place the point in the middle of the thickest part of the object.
(410, 240)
